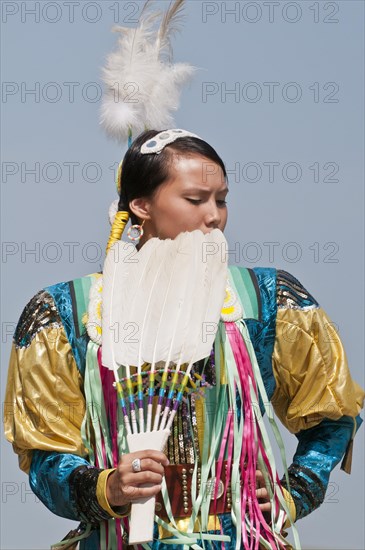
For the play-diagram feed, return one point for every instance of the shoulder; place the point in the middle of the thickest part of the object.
(39, 313)
(278, 288)
(290, 293)
(52, 307)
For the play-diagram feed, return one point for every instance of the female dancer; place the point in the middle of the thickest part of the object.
(65, 425)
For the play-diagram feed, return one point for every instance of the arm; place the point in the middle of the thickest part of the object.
(67, 484)
(319, 450)
(315, 397)
(44, 409)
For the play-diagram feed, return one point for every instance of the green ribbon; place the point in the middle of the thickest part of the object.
(73, 539)
(95, 422)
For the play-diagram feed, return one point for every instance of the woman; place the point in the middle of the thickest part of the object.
(78, 463)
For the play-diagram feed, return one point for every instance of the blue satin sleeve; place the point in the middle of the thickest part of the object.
(319, 450)
(49, 480)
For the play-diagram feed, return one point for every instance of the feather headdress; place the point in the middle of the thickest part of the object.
(142, 84)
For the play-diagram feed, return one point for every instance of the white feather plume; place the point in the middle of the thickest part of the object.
(121, 282)
(166, 318)
(169, 293)
(113, 209)
(170, 24)
(143, 86)
(115, 282)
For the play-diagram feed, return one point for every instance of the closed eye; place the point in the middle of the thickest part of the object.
(221, 203)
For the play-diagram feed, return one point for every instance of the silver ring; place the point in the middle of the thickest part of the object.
(136, 465)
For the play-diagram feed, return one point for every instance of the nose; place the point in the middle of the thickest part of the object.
(213, 215)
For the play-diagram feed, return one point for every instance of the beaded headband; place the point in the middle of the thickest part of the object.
(159, 141)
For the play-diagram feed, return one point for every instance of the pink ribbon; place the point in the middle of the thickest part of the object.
(110, 403)
(251, 444)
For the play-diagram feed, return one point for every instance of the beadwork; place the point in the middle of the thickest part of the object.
(158, 142)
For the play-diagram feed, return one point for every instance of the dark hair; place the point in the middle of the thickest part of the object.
(143, 174)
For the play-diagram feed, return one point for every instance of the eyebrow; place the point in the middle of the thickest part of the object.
(204, 191)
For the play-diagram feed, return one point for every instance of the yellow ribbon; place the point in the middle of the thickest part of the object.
(119, 223)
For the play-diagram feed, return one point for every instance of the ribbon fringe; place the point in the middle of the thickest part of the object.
(235, 434)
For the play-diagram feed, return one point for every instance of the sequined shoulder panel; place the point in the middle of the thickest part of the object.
(38, 314)
(290, 293)
(66, 300)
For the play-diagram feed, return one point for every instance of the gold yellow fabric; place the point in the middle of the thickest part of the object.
(101, 494)
(183, 524)
(291, 506)
(44, 404)
(311, 372)
(200, 411)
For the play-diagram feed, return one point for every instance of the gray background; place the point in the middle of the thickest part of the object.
(316, 222)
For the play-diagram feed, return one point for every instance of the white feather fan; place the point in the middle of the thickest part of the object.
(163, 294)
(166, 292)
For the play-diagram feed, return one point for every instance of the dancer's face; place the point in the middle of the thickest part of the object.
(193, 197)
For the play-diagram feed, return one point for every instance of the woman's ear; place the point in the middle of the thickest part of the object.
(140, 208)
